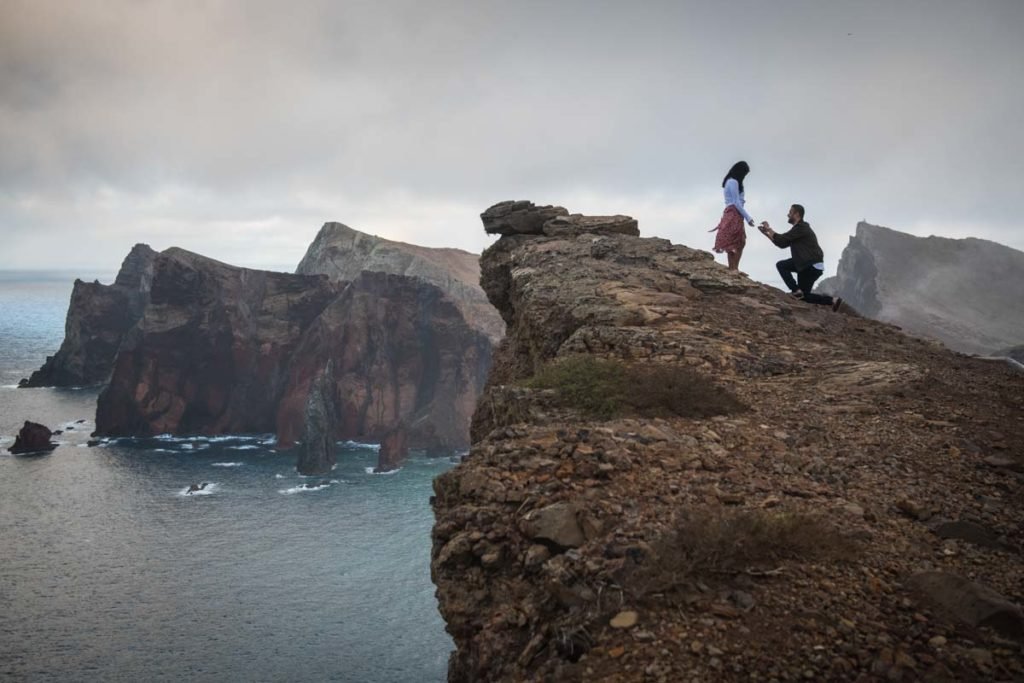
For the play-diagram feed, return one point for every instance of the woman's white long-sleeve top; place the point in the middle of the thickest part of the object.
(733, 197)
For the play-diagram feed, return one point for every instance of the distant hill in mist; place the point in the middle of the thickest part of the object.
(965, 293)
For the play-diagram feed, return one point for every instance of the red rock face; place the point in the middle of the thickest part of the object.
(222, 349)
(402, 351)
(394, 450)
(211, 352)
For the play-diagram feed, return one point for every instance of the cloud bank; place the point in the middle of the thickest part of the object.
(236, 128)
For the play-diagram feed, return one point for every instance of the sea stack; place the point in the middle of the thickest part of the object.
(316, 452)
(33, 438)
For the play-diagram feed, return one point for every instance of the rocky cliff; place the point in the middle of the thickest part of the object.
(98, 318)
(963, 292)
(854, 514)
(342, 253)
(221, 349)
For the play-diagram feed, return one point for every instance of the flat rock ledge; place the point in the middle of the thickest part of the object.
(525, 218)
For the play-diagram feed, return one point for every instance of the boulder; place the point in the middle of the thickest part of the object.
(394, 450)
(519, 218)
(556, 524)
(33, 438)
(969, 602)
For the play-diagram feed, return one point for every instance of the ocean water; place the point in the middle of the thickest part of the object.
(111, 571)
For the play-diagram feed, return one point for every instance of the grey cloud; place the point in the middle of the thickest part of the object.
(900, 114)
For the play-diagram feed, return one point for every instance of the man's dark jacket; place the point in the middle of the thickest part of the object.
(803, 243)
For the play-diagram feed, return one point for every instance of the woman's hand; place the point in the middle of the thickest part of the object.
(751, 222)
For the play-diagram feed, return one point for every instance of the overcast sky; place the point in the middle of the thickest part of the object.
(236, 128)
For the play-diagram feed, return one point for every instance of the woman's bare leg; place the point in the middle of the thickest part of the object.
(734, 258)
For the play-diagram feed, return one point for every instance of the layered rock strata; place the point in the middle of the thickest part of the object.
(795, 540)
(342, 253)
(962, 292)
(97, 320)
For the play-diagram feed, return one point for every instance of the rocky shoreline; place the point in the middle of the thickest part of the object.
(859, 520)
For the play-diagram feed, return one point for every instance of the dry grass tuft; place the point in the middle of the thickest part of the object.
(605, 388)
(724, 541)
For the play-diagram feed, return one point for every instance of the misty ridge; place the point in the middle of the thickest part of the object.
(962, 292)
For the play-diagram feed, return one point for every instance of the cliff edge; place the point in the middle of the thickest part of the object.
(726, 485)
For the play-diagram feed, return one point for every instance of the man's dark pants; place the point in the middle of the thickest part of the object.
(805, 278)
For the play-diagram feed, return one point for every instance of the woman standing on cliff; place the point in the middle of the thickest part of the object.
(731, 236)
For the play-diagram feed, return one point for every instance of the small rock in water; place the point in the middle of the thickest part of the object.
(33, 438)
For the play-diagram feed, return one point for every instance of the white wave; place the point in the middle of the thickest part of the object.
(207, 490)
(244, 447)
(226, 464)
(8, 386)
(186, 446)
(162, 450)
(369, 470)
(278, 476)
(356, 445)
(305, 488)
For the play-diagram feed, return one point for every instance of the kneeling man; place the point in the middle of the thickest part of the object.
(806, 258)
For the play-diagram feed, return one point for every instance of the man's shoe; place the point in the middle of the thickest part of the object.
(797, 294)
(837, 304)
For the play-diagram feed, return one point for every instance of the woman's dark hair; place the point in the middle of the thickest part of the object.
(738, 171)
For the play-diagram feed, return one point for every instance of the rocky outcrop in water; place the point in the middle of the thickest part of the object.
(962, 292)
(342, 253)
(222, 349)
(394, 450)
(32, 438)
(316, 452)
(781, 541)
(98, 318)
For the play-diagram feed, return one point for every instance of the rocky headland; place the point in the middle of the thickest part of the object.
(342, 253)
(818, 497)
(369, 336)
(222, 350)
(962, 292)
(97, 320)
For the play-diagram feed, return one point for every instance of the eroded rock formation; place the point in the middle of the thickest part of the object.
(779, 542)
(211, 353)
(403, 353)
(342, 253)
(32, 438)
(317, 450)
(963, 292)
(98, 318)
(394, 450)
(222, 349)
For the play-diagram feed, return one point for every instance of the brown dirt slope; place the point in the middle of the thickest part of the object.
(860, 519)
